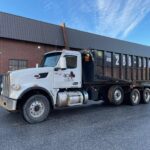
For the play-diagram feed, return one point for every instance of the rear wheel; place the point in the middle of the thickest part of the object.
(115, 95)
(146, 96)
(135, 97)
(36, 109)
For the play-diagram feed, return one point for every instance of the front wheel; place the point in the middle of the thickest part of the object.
(36, 109)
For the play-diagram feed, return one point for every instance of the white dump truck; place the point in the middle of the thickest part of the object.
(69, 78)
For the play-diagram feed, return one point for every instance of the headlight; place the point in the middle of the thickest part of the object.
(16, 87)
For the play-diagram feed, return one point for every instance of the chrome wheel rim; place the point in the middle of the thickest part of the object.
(117, 95)
(37, 109)
(147, 96)
(135, 97)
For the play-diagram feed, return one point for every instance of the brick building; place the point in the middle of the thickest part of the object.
(23, 42)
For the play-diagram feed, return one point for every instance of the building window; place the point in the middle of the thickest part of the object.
(16, 64)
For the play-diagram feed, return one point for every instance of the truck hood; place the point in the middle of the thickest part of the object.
(28, 74)
(31, 71)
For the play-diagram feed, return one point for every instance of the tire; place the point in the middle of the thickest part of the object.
(115, 95)
(135, 97)
(146, 96)
(36, 109)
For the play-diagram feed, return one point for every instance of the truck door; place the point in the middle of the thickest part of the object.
(70, 77)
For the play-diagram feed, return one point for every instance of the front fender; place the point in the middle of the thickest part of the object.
(37, 89)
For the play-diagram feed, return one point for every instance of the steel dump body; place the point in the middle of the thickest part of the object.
(107, 67)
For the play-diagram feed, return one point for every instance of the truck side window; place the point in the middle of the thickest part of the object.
(71, 61)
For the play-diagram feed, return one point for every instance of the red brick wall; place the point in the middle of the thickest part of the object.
(12, 49)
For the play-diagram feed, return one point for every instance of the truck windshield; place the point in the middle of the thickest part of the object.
(50, 60)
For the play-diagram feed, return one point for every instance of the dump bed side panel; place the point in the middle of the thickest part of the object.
(109, 66)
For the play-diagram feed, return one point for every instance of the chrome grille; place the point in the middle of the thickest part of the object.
(6, 85)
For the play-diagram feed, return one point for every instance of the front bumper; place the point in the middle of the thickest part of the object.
(8, 103)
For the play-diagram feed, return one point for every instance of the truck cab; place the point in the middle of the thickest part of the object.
(35, 91)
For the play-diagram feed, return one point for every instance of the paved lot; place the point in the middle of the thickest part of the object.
(92, 127)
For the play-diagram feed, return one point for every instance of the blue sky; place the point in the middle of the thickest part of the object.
(127, 20)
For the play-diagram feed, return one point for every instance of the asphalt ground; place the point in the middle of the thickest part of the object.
(90, 127)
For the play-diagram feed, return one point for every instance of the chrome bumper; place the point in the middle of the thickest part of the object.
(8, 103)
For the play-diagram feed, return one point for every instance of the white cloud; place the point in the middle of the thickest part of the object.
(114, 18)
(47, 4)
(117, 18)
